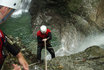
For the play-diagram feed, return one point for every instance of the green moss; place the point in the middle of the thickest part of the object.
(74, 5)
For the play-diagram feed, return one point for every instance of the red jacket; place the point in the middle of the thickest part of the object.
(43, 35)
(1, 43)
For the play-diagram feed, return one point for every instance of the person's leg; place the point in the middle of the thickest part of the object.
(39, 49)
(51, 50)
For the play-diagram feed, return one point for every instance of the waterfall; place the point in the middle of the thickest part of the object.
(70, 40)
(74, 40)
(23, 8)
(79, 45)
(77, 37)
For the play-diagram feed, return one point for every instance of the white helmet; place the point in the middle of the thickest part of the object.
(43, 29)
(15, 4)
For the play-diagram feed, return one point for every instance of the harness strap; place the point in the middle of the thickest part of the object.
(7, 16)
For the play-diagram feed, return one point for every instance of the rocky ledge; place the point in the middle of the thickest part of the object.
(90, 59)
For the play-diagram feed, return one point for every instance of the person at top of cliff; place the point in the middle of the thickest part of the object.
(7, 7)
(44, 35)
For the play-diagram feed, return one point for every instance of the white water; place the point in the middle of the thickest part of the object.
(92, 40)
(23, 8)
(81, 45)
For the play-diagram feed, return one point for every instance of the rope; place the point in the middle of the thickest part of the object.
(45, 56)
(29, 65)
(32, 64)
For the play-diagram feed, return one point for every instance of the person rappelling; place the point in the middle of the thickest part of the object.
(44, 35)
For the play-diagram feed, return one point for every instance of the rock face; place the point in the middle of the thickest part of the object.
(71, 21)
(81, 13)
(90, 59)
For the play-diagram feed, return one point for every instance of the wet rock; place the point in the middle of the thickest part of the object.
(10, 59)
(90, 59)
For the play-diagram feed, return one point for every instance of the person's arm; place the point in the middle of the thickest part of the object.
(39, 39)
(15, 50)
(12, 48)
(49, 36)
(22, 61)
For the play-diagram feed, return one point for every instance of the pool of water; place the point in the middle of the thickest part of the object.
(19, 27)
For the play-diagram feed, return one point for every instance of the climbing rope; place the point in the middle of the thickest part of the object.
(45, 56)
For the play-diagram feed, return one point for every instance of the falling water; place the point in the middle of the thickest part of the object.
(23, 8)
(74, 41)
(70, 40)
(78, 45)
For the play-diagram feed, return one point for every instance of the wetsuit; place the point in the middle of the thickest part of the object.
(4, 43)
(41, 36)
